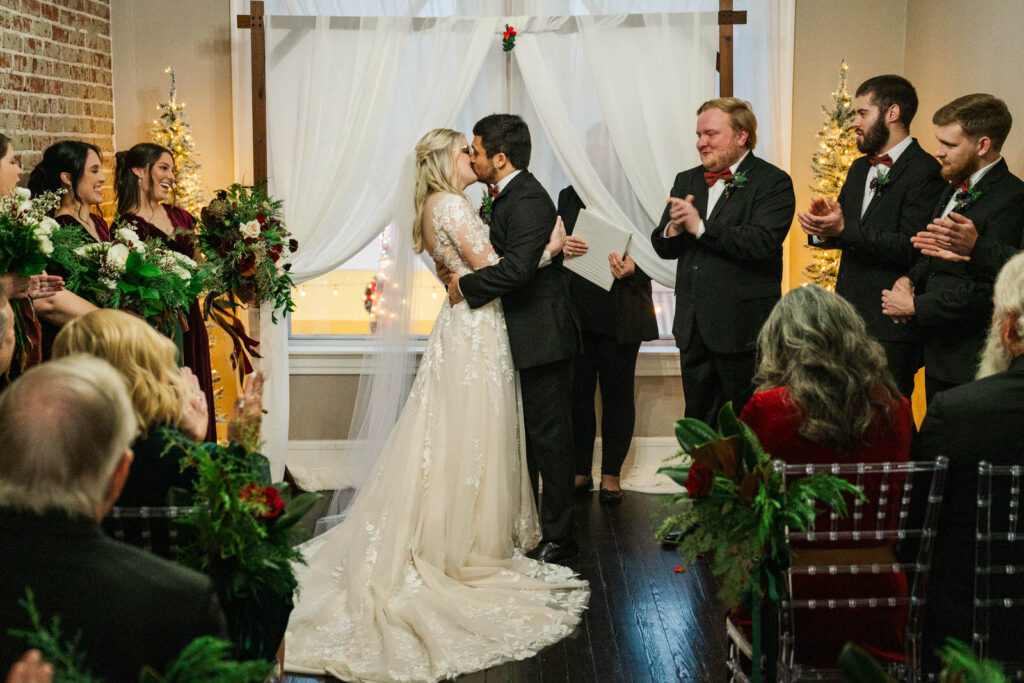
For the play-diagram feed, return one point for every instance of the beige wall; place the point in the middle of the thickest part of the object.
(193, 36)
(954, 49)
(828, 31)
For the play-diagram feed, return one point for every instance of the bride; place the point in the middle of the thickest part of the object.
(426, 578)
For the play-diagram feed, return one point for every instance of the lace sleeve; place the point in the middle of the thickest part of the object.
(458, 227)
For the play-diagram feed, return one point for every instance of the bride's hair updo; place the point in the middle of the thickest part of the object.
(434, 173)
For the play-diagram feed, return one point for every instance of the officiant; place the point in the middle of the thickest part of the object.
(613, 324)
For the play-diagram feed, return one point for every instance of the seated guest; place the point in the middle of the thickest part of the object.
(979, 421)
(825, 395)
(162, 395)
(65, 430)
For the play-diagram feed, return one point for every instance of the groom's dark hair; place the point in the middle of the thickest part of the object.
(505, 133)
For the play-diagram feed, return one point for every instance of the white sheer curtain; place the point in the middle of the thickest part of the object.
(350, 97)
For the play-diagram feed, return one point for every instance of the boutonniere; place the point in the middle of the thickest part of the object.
(880, 182)
(965, 198)
(737, 181)
(487, 204)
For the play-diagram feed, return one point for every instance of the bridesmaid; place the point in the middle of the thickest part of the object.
(74, 167)
(142, 180)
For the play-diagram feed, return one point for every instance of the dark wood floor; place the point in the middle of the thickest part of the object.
(645, 622)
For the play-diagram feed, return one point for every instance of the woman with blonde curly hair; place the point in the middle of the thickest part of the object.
(426, 572)
(163, 395)
(825, 395)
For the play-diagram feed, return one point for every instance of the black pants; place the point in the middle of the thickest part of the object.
(710, 379)
(547, 414)
(933, 386)
(612, 364)
(904, 359)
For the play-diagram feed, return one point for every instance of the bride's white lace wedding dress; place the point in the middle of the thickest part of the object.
(426, 577)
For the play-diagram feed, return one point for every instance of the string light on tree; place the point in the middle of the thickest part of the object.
(173, 131)
(837, 148)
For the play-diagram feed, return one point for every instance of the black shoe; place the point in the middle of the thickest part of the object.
(553, 553)
(610, 496)
(585, 487)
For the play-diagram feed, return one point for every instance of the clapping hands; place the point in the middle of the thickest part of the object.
(247, 414)
(195, 415)
(951, 238)
(824, 220)
(682, 216)
(898, 302)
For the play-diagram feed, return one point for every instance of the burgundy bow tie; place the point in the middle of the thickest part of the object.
(724, 175)
(965, 186)
(883, 159)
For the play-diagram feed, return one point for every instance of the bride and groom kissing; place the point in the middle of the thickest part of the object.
(441, 566)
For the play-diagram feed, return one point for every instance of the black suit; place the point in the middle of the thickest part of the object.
(977, 421)
(133, 609)
(877, 250)
(543, 335)
(614, 324)
(952, 302)
(727, 281)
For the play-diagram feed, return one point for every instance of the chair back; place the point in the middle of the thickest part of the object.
(879, 524)
(151, 528)
(999, 556)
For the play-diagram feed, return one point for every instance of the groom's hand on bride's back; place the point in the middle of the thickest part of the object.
(454, 295)
(443, 274)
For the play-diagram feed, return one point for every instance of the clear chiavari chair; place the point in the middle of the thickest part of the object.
(153, 529)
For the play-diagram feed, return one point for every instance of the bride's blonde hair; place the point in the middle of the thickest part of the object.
(434, 173)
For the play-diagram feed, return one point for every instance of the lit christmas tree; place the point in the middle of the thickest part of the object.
(173, 131)
(837, 148)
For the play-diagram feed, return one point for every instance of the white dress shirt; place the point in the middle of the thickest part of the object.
(881, 169)
(714, 194)
(972, 181)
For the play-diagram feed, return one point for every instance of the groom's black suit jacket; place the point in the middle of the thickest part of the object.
(131, 607)
(952, 301)
(876, 246)
(541, 322)
(977, 421)
(728, 280)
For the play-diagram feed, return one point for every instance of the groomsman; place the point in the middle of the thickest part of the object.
(952, 302)
(888, 196)
(725, 223)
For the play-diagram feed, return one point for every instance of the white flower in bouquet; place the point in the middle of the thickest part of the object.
(45, 245)
(46, 226)
(130, 237)
(25, 208)
(185, 260)
(181, 272)
(117, 256)
(87, 249)
(251, 229)
(23, 192)
(109, 283)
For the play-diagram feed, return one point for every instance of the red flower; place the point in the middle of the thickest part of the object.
(509, 32)
(247, 265)
(699, 481)
(267, 498)
(262, 220)
(274, 252)
(293, 245)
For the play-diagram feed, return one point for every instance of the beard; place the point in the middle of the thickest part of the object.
(995, 357)
(875, 138)
(957, 173)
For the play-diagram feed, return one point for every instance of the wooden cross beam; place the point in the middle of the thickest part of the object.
(254, 22)
(726, 19)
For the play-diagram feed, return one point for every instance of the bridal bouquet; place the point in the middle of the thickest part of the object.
(29, 238)
(141, 276)
(243, 238)
(736, 510)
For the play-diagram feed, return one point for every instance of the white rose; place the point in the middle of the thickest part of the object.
(25, 207)
(131, 237)
(45, 245)
(23, 192)
(47, 225)
(117, 256)
(251, 229)
(184, 260)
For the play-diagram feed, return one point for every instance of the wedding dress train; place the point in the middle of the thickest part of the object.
(426, 579)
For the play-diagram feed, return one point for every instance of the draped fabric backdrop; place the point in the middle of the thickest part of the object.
(610, 101)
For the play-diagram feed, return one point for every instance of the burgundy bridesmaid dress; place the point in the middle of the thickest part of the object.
(196, 349)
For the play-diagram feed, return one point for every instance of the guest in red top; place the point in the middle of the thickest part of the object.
(74, 167)
(142, 180)
(825, 395)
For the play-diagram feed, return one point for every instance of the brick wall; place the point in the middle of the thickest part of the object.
(55, 76)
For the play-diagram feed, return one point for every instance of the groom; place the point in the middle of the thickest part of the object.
(542, 329)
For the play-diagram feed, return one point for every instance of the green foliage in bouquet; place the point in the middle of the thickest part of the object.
(143, 276)
(204, 659)
(243, 238)
(736, 510)
(242, 535)
(29, 238)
